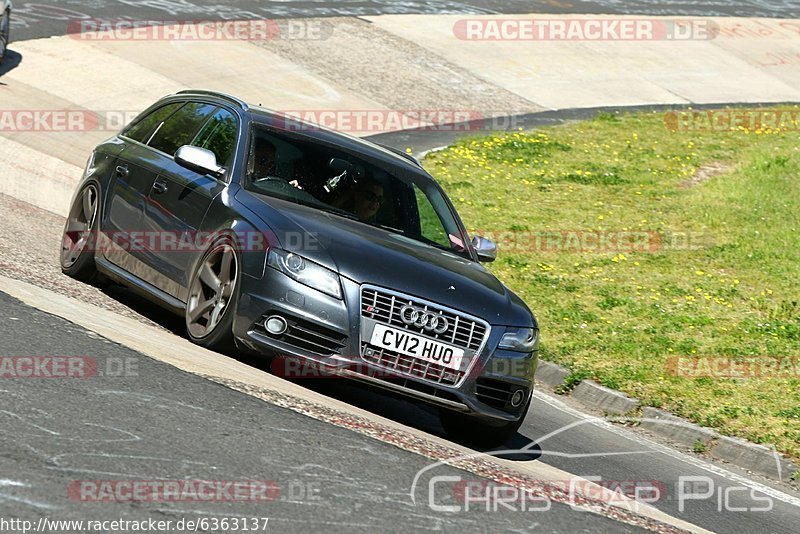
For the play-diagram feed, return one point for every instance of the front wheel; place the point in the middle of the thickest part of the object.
(470, 430)
(213, 294)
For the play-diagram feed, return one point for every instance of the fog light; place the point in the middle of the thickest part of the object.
(275, 325)
(517, 398)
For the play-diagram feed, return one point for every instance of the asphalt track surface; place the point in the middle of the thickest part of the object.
(47, 18)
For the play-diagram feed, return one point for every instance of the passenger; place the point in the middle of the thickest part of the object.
(368, 199)
(363, 200)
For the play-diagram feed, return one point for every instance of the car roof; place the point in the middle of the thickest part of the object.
(292, 124)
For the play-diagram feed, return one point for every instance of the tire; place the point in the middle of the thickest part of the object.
(5, 33)
(213, 296)
(470, 430)
(80, 233)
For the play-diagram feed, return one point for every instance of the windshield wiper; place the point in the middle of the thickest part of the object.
(352, 216)
(391, 229)
(340, 213)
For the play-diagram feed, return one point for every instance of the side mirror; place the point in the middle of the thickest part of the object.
(486, 249)
(199, 160)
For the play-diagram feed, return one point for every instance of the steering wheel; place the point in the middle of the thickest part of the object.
(274, 183)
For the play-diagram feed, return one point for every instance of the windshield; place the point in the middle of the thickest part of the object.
(293, 168)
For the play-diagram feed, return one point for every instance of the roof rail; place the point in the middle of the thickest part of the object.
(241, 104)
(403, 153)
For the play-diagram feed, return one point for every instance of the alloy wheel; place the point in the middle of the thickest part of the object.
(212, 291)
(80, 224)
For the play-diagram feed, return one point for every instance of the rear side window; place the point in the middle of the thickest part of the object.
(219, 136)
(144, 128)
(181, 127)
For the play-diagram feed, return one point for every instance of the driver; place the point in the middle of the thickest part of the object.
(263, 159)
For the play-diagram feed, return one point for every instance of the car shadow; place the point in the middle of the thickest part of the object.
(10, 62)
(143, 307)
(384, 403)
(410, 412)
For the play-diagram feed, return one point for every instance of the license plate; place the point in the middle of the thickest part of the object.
(420, 347)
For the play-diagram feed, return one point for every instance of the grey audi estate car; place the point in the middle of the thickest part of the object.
(302, 244)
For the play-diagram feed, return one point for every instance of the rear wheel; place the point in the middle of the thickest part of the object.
(470, 430)
(80, 232)
(213, 294)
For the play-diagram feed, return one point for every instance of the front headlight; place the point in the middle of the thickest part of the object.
(520, 339)
(306, 272)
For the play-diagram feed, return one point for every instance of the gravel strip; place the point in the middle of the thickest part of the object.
(29, 249)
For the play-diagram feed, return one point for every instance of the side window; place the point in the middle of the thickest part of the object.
(219, 136)
(431, 227)
(181, 128)
(144, 128)
(275, 157)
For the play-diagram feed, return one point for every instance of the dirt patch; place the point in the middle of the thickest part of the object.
(706, 172)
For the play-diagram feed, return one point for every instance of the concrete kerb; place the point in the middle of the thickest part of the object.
(749, 456)
(605, 399)
(753, 457)
(677, 429)
(551, 374)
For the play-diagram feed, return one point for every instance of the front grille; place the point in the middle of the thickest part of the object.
(462, 331)
(306, 335)
(385, 307)
(494, 393)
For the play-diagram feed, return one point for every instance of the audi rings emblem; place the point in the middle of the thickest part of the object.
(430, 321)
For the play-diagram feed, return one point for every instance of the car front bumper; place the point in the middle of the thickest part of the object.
(328, 333)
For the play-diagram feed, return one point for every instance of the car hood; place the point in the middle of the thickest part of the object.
(366, 254)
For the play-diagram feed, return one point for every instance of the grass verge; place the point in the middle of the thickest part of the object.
(658, 262)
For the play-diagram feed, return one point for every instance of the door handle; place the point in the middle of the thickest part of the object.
(122, 171)
(160, 187)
